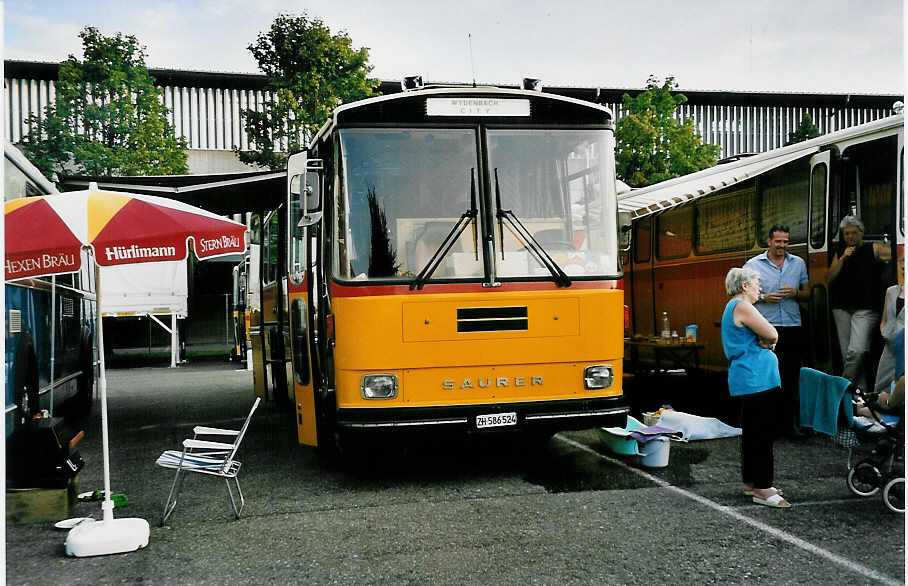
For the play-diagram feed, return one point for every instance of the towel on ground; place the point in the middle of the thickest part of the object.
(822, 396)
(652, 432)
(695, 427)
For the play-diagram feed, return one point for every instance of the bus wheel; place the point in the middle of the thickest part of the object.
(329, 449)
(537, 439)
(26, 395)
(330, 440)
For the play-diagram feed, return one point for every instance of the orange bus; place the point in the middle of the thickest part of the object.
(446, 259)
(689, 231)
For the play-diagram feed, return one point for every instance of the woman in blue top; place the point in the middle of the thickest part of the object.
(753, 375)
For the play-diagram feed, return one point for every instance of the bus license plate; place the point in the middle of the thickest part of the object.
(496, 420)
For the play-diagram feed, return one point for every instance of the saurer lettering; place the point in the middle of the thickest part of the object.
(450, 384)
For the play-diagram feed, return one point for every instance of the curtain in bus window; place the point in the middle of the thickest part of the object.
(726, 223)
(871, 178)
(784, 194)
(271, 247)
(673, 232)
(818, 206)
(641, 241)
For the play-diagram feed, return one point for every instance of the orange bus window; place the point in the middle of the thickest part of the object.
(783, 201)
(673, 232)
(641, 241)
(818, 206)
(726, 223)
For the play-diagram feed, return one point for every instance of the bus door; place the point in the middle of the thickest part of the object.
(818, 312)
(274, 309)
(870, 183)
(279, 343)
(235, 304)
(254, 302)
(880, 185)
(299, 184)
(642, 292)
(900, 211)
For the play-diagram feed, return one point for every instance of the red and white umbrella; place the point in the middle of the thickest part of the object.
(45, 236)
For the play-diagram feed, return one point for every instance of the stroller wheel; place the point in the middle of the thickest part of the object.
(864, 479)
(894, 495)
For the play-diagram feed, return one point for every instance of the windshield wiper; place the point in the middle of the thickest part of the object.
(466, 218)
(543, 257)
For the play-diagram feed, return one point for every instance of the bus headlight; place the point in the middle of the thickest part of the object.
(599, 376)
(378, 386)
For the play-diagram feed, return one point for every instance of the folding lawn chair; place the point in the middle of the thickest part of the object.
(206, 457)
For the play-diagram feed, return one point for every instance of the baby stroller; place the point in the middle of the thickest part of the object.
(884, 467)
(875, 448)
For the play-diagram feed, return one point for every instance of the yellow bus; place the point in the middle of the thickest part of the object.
(241, 318)
(446, 259)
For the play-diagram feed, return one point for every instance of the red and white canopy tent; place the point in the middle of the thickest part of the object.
(45, 236)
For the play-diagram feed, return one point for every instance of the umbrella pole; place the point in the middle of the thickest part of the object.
(108, 535)
(107, 505)
(53, 339)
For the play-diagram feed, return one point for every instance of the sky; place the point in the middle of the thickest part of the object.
(813, 46)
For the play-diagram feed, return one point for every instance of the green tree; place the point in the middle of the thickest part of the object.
(107, 117)
(310, 72)
(652, 145)
(806, 130)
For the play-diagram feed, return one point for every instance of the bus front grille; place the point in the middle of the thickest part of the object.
(492, 319)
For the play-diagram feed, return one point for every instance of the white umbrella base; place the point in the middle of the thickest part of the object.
(107, 537)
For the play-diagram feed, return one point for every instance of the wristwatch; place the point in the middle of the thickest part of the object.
(761, 297)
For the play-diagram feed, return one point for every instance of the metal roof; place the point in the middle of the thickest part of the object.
(672, 192)
(239, 80)
(221, 193)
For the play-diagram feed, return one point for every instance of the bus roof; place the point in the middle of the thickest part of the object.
(452, 90)
(672, 192)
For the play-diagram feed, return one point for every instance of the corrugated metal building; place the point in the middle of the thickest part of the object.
(205, 107)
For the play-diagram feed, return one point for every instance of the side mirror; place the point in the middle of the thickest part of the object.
(303, 176)
(625, 224)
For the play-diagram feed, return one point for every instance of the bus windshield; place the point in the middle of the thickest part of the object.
(555, 182)
(405, 190)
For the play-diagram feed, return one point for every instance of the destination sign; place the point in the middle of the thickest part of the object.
(477, 107)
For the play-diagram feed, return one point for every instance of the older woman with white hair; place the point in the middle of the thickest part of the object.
(853, 280)
(753, 376)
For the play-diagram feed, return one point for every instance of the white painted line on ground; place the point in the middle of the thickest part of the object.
(772, 531)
